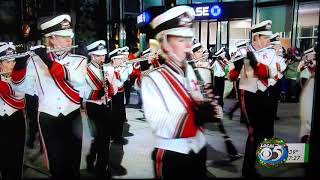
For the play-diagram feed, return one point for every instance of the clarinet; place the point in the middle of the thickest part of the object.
(104, 85)
(204, 116)
(199, 79)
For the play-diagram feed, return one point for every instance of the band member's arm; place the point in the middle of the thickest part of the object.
(301, 66)
(23, 75)
(234, 73)
(260, 70)
(282, 64)
(162, 118)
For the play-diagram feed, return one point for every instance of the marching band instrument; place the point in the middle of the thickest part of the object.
(19, 55)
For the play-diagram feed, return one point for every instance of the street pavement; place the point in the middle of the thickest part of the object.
(135, 157)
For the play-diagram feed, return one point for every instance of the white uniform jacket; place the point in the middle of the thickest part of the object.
(58, 87)
(94, 83)
(218, 68)
(254, 79)
(168, 108)
(10, 100)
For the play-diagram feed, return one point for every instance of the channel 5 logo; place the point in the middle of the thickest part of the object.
(212, 11)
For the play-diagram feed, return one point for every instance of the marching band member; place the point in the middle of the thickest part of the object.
(307, 66)
(12, 121)
(202, 66)
(118, 107)
(279, 64)
(253, 67)
(32, 105)
(171, 96)
(307, 94)
(239, 45)
(99, 94)
(219, 72)
(59, 77)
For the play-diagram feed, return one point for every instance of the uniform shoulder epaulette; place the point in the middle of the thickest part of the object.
(153, 70)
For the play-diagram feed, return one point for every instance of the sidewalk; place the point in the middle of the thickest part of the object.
(136, 155)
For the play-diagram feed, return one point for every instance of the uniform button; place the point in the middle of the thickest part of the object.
(59, 107)
(189, 141)
(58, 98)
(4, 110)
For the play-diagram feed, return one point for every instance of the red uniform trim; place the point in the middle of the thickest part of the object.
(13, 102)
(94, 95)
(94, 79)
(18, 76)
(155, 63)
(5, 88)
(261, 71)
(186, 127)
(58, 70)
(159, 163)
(67, 90)
(233, 75)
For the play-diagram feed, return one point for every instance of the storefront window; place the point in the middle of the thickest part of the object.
(239, 30)
(224, 33)
(149, 3)
(308, 25)
(213, 35)
(204, 34)
(281, 17)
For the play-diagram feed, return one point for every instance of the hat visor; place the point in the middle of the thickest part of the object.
(264, 33)
(66, 32)
(183, 32)
(116, 57)
(276, 43)
(99, 52)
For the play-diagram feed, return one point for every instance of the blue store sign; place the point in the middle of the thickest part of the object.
(213, 11)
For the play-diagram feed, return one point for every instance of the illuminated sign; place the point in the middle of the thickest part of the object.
(143, 18)
(208, 11)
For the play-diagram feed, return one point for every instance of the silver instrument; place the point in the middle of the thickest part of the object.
(19, 55)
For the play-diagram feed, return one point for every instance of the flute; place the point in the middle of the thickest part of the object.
(19, 55)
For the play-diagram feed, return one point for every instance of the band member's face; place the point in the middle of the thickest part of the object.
(116, 62)
(278, 49)
(261, 41)
(60, 41)
(198, 54)
(180, 46)
(99, 59)
(7, 66)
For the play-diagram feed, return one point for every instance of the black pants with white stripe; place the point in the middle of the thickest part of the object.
(173, 165)
(219, 87)
(258, 108)
(119, 116)
(32, 104)
(12, 139)
(62, 137)
(99, 115)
